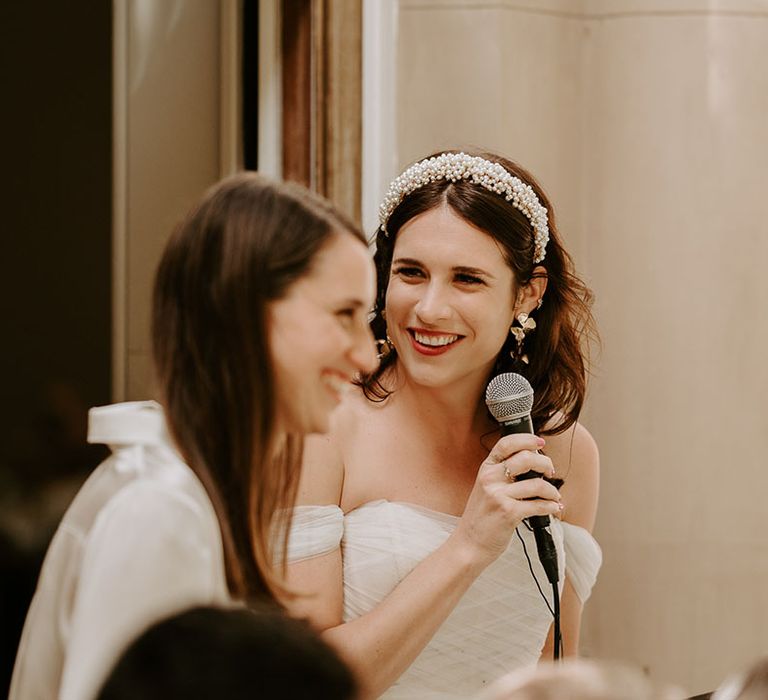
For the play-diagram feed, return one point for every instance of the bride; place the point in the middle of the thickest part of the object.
(409, 546)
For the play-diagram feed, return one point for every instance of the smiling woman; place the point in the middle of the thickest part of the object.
(406, 536)
(319, 335)
(261, 295)
(426, 284)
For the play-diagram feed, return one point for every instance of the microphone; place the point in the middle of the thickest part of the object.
(509, 398)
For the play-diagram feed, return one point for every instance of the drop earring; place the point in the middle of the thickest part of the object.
(385, 347)
(525, 324)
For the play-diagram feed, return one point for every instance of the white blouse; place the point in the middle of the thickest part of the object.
(501, 622)
(140, 542)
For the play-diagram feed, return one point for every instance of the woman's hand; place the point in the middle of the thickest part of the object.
(497, 503)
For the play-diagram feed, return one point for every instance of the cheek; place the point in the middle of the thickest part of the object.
(491, 324)
(400, 298)
(294, 346)
(329, 342)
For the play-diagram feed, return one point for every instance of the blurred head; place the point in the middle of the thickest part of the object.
(751, 684)
(579, 679)
(259, 307)
(229, 655)
(456, 265)
(319, 336)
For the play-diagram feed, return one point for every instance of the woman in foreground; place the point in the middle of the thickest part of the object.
(411, 537)
(259, 315)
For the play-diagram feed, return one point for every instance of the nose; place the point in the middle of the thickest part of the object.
(362, 354)
(432, 306)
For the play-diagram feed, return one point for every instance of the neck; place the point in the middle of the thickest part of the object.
(276, 444)
(460, 406)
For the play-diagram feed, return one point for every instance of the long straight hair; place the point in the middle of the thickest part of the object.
(242, 247)
(559, 347)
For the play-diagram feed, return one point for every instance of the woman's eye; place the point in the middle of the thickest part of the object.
(345, 316)
(409, 272)
(468, 279)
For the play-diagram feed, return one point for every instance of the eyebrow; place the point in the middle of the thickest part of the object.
(474, 271)
(460, 269)
(354, 303)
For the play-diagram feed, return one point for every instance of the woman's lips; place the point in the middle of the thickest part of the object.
(336, 384)
(432, 350)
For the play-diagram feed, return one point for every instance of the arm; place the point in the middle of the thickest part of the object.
(383, 643)
(575, 455)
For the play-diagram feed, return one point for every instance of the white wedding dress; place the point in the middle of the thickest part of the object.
(500, 624)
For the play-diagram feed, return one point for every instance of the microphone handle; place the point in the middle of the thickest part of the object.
(515, 426)
(539, 523)
(524, 425)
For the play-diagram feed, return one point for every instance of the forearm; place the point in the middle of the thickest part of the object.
(381, 645)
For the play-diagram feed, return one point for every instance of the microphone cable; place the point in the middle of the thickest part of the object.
(554, 609)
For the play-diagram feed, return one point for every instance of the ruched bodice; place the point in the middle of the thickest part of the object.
(501, 622)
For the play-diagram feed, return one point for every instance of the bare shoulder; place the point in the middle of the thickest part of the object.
(577, 460)
(323, 463)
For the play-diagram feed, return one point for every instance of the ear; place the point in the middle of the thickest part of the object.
(528, 295)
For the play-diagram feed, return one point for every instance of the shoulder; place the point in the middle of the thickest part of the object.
(576, 457)
(573, 450)
(142, 537)
(129, 575)
(159, 512)
(324, 460)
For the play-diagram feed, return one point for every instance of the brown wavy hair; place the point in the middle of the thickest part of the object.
(559, 347)
(241, 248)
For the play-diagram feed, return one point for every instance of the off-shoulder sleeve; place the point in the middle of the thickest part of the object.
(315, 530)
(583, 558)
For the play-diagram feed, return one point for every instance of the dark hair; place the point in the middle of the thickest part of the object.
(243, 246)
(234, 654)
(557, 349)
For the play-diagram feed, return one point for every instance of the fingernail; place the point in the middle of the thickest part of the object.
(561, 507)
(540, 441)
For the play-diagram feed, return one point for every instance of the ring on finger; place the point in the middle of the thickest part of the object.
(508, 475)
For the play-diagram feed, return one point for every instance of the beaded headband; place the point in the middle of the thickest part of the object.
(491, 176)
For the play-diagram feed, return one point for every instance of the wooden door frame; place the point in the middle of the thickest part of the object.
(322, 98)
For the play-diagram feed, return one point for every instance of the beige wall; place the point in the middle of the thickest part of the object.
(465, 78)
(646, 123)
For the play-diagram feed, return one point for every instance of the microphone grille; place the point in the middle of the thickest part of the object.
(509, 396)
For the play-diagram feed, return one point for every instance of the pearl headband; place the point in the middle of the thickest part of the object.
(491, 176)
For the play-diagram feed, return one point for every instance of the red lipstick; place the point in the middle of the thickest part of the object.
(430, 350)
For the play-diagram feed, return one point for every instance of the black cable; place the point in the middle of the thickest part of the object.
(533, 573)
(557, 635)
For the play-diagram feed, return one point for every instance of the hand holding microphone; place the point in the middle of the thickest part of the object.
(500, 500)
(509, 398)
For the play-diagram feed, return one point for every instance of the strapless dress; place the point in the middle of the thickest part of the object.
(501, 622)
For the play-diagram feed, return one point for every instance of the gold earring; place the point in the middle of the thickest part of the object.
(526, 325)
(385, 347)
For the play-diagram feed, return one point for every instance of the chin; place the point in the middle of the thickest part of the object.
(321, 426)
(432, 378)
(429, 379)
